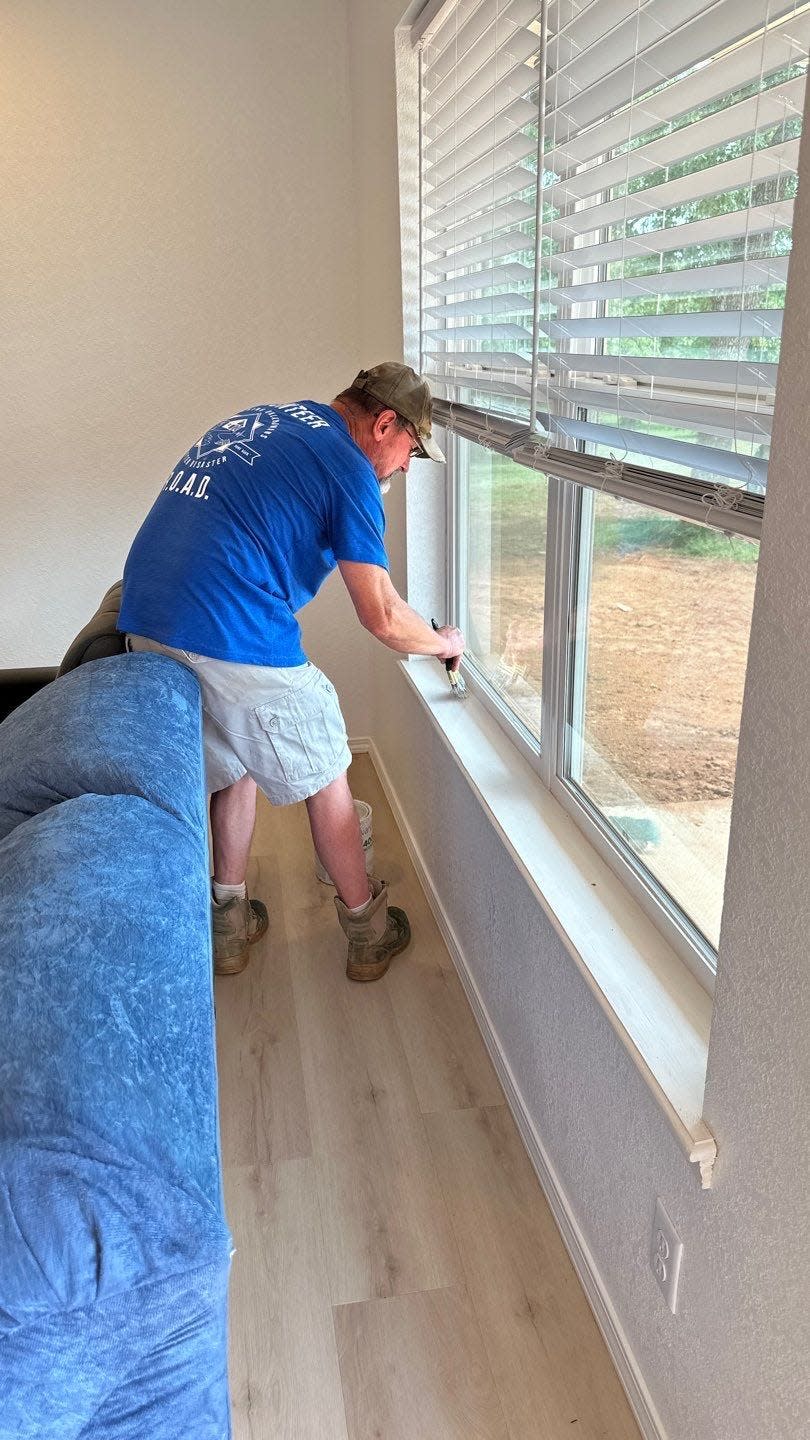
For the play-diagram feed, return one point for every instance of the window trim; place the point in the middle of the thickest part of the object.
(660, 1012)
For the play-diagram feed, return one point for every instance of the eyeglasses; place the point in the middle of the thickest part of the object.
(416, 448)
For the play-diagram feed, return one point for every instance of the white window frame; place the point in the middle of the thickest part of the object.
(566, 501)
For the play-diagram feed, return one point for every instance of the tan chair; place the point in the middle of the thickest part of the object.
(99, 637)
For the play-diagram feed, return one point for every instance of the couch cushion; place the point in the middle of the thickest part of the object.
(108, 1060)
(146, 1365)
(106, 1001)
(81, 1222)
(106, 730)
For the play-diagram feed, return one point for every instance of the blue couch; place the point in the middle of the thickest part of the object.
(114, 1251)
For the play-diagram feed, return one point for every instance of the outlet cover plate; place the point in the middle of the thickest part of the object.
(666, 1253)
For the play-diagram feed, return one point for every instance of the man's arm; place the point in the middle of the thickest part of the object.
(382, 611)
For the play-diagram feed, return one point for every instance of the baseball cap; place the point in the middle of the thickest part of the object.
(399, 388)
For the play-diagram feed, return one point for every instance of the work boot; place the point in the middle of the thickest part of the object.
(237, 925)
(378, 933)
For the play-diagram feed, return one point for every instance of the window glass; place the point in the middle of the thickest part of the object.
(504, 512)
(663, 617)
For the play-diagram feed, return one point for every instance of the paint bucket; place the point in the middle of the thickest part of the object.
(364, 816)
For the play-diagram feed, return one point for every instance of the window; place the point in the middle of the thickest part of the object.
(663, 613)
(503, 519)
(604, 346)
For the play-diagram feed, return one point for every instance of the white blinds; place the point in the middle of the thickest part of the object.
(669, 139)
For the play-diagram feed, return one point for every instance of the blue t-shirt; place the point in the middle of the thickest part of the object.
(245, 531)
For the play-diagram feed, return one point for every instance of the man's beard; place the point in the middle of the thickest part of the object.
(384, 482)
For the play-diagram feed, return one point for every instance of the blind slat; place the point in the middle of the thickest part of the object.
(759, 324)
(508, 242)
(741, 275)
(600, 40)
(498, 386)
(506, 303)
(589, 23)
(720, 376)
(745, 469)
(481, 332)
(766, 164)
(481, 279)
(485, 359)
(729, 226)
(508, 67)
(452, 126)
(753, 374)
(488, 221)
(726, 420)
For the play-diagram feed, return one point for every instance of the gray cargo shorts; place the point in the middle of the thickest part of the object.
(280, 724)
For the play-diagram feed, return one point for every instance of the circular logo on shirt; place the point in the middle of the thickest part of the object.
(232, 436)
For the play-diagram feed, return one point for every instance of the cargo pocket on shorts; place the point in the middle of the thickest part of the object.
(305, 728)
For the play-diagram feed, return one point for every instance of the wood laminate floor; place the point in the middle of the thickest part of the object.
(398, 1274)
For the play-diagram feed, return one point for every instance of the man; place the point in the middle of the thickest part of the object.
(242, 535)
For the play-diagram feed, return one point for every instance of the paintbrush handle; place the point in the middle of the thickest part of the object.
(448, 664)
(457, 684)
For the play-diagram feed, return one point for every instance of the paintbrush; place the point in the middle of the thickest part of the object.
(457, 682)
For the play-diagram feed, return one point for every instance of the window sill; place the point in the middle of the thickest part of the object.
(656, 1006)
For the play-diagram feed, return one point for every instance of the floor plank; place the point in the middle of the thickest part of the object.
(550, 1364)
(261, 1081)
(448, 1060)
(414, 1368)
(284, 1374)
(386, 1228)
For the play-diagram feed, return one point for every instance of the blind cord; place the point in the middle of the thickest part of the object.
(534, 428)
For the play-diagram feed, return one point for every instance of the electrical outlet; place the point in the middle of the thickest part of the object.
(666, 1253)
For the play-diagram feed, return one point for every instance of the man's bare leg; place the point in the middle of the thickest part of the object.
(237, 921)
(336, 836)
(233, 816)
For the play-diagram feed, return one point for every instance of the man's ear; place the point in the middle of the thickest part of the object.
(383, 423)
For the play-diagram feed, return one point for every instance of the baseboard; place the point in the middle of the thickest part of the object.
(623, 1359)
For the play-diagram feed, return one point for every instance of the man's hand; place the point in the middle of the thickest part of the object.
(454, 642)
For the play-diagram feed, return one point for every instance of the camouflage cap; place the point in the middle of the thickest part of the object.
(400, 388)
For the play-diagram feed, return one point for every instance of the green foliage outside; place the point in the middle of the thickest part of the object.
(670, 535)
(517, 497)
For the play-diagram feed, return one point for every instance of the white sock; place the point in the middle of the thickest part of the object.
(356, 909)
(224, 893)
